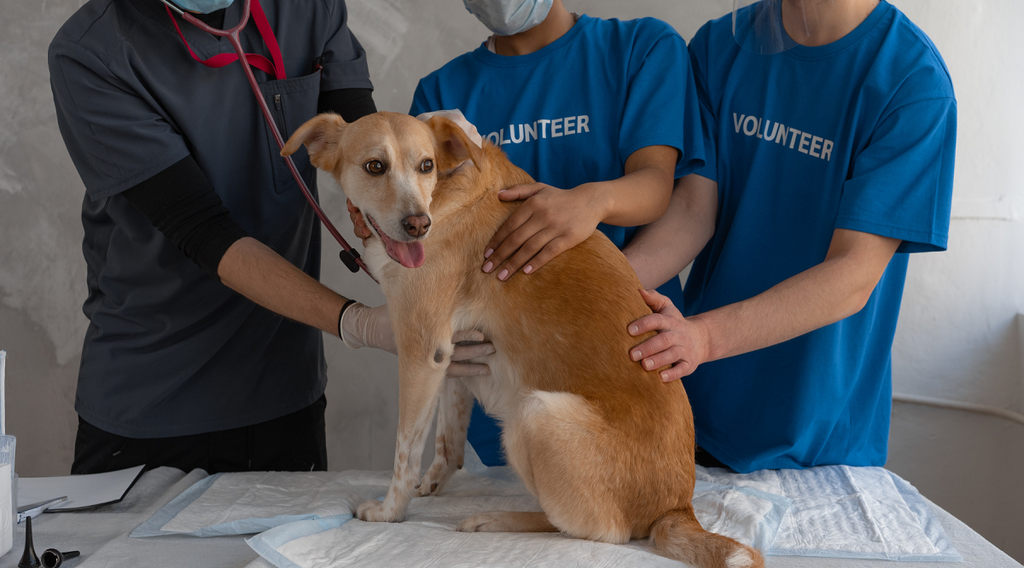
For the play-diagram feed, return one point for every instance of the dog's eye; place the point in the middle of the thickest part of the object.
(427, 166)
(375, 167)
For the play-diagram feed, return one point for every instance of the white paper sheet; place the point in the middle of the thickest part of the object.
(82, 491)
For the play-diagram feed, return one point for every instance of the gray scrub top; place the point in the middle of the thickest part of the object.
(170, 351)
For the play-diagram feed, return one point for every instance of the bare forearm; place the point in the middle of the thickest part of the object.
(551, 221)
(642, 194)
(662, 249)
(257, 272)
(824, 294)
(634, 199)
(790, 309)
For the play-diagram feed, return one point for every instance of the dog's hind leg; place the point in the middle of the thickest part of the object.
(508, 521)
(555, 444)
(453, 411)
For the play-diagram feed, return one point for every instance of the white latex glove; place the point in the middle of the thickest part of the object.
(361, 326)
(456, 116)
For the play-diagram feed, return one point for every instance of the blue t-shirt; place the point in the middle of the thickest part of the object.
(858, 134)
(573, 112)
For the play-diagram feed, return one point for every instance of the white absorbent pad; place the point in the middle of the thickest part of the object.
(252, 502)
(336, 543)
(847, 512)
(828, 511)
(428, 537)
(249, 503)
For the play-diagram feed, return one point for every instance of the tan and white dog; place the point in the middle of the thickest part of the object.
(605, 446)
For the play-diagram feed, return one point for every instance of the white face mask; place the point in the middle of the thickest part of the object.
(509, 17)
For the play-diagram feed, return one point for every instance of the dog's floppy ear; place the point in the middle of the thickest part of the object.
(453, 146)
(320, 134)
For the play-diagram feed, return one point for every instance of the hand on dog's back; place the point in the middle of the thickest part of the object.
(549, 222)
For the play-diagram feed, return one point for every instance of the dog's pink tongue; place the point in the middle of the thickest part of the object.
(409, 255)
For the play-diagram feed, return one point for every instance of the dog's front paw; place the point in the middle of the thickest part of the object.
(375, 512)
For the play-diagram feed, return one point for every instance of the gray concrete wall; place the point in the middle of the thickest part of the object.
(959, 336)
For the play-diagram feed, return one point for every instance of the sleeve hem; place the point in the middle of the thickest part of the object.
(654, 140)
(156, 166)
(360, 83)
(691, 162)
(913, 240)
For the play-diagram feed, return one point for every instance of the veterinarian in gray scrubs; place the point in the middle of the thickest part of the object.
(204, 346)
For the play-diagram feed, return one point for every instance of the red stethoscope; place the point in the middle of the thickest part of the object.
(275, 68)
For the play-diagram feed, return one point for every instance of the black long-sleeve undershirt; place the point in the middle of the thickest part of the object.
(182, 204)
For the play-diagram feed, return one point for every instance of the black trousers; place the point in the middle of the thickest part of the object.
(704, 458)
(295, 442)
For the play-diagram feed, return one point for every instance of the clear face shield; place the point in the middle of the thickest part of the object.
(766, 27)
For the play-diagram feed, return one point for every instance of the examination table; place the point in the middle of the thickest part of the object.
(102, 536)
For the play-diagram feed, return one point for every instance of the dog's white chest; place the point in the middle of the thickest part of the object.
(376, 258)
(500, 392)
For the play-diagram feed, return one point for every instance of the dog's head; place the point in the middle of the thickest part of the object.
(387, 164)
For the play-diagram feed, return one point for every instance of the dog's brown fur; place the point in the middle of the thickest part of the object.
(605, 446)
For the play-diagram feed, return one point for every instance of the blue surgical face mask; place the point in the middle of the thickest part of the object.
(204, 6)
(509, 17)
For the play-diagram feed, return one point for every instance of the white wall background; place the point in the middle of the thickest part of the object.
(959, 338)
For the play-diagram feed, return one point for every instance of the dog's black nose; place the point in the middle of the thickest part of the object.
(416, 225)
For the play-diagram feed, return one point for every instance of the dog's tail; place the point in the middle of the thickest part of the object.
(678, 534)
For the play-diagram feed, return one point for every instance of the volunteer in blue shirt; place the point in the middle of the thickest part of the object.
(602, 113)
(830, 159)
(204, 347)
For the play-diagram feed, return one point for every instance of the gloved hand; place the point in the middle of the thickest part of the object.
(361, 326)
(456, 116)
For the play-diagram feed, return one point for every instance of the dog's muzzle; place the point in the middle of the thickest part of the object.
(408, 254)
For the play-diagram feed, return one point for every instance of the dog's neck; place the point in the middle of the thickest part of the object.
(469, 184)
